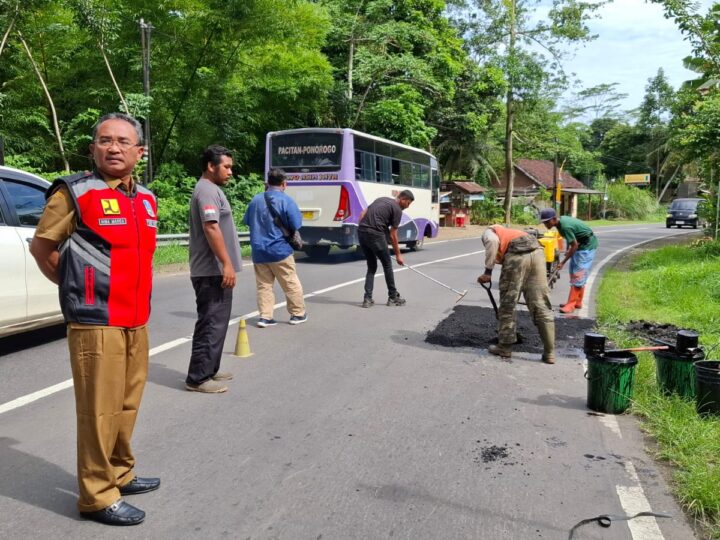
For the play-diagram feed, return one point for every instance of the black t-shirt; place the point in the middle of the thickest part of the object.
(381, 214)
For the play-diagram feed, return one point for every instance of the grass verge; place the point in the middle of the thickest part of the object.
(177, 254)
(679, 285)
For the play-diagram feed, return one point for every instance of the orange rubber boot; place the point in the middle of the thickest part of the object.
(569, 307)
(580, 295)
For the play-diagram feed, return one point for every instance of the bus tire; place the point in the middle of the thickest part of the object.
(417, 245)
(316, 252)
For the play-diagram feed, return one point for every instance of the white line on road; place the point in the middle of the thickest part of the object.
(45, 392)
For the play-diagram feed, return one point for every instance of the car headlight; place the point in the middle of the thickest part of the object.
(692, 216)
(669, 215)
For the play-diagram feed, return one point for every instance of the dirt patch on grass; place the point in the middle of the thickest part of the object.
(475, 326)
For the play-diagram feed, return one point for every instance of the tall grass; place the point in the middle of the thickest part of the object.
(678, 285)
(177, 254)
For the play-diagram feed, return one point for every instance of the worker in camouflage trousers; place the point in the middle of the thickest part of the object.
(523, 271)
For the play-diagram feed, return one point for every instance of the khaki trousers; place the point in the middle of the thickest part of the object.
(109, 367)
(523, 273)
(284, 271)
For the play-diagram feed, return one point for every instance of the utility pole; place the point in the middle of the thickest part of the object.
(145, 32)
(2, 150)
(555, 181)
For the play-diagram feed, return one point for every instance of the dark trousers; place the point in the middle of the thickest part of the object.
(214, 305)
(375, 246)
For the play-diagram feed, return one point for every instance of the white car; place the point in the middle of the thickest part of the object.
(28, 300)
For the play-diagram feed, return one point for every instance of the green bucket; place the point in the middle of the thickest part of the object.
(676, 372)
(610, 381)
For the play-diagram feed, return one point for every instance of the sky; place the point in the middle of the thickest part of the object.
(634, 40)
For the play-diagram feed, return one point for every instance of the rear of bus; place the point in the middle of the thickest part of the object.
(320, 183)
(333, 174)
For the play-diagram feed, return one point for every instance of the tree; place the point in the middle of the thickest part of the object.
(501, 33)
(394, 62)
(601, 101)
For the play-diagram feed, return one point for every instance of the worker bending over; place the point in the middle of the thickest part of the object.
(523, 271)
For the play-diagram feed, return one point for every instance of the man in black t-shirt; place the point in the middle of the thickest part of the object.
(382, 214)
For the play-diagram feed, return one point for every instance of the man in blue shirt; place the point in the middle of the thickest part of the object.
(271, 254)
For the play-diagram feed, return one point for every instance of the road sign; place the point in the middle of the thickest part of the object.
(637, 178)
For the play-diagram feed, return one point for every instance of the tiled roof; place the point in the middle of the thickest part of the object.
(541, 171)
(470, 187)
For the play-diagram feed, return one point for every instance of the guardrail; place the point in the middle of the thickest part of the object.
(183, 239)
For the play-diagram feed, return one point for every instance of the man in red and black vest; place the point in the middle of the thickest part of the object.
(96, 240)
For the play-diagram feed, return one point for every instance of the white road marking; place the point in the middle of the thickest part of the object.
(633, 501)
(610, 422)
(45, 392)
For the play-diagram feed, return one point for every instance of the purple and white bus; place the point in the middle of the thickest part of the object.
(334, 174)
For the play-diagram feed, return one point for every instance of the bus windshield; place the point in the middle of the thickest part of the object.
(301, 152)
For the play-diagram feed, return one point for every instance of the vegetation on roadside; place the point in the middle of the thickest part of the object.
(178, 254)
(679, 285)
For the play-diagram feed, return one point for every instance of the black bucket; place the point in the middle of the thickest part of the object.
(611, 380)
(593, 344)
(675, 371)
(687, 340)
(707, 387)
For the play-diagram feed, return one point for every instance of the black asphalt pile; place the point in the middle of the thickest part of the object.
(653, 330)
(475, 326)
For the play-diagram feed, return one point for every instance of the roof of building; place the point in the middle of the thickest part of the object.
(468, 187)
(540, 171)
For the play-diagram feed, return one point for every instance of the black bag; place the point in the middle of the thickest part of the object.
(292, 236)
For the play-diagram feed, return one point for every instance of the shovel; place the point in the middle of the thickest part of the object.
(486, 286)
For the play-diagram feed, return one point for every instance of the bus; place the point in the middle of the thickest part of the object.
(335, 173)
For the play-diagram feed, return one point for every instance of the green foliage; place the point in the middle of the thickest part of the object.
(174, 188)
(486, 212)
(630, 202)
(677, 285)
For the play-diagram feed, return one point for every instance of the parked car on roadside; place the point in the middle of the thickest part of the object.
(684, 212)
(28, 300)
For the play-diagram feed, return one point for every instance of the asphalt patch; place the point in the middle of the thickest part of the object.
(476, 326)
(653, 330)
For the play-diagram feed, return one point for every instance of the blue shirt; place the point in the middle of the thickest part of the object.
(266, 238)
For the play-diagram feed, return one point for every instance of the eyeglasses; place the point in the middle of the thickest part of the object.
(123, 144)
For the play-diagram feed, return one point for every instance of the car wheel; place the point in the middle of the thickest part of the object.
(667, 225)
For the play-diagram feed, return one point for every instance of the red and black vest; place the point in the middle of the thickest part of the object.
(106, 264)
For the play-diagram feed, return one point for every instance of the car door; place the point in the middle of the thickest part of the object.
(28, 201)
(13, 289)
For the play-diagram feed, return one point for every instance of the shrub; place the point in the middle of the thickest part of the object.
(630, 202)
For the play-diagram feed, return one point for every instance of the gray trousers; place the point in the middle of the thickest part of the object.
(214, 305)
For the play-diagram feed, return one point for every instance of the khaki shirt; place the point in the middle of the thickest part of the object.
(58, 220)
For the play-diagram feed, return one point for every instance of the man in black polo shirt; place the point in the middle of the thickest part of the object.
(382, 214)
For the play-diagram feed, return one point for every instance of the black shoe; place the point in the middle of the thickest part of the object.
(140, 485)
(368, 302)
(118, 513)
(396, 300)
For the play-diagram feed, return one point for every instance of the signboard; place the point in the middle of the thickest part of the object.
(637, 178)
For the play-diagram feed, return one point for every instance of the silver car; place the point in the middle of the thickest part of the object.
(28, 300)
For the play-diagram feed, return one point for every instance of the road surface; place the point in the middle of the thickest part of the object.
(348, 426)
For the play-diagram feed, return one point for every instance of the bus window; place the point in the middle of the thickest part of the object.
(364, 166)
(395, 171)
(364, 144)
(406, 173)
(435, 185)
(383, 168)
(421, 176)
